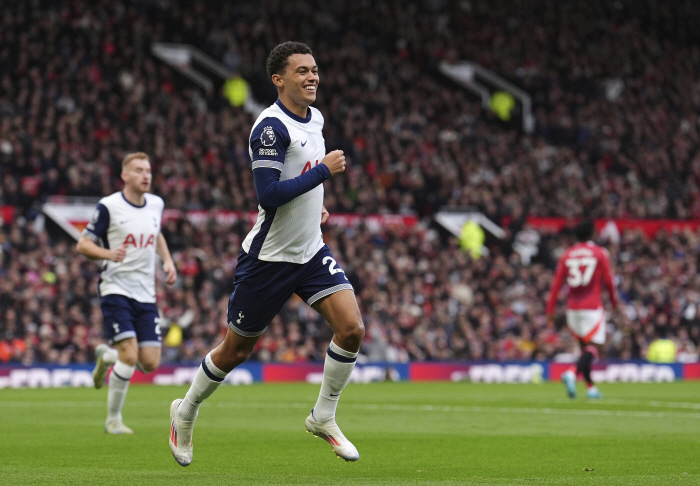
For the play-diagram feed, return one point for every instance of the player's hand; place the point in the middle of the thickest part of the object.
(119, 254)
(324, 214)
(550, 321)
(335, 161)
(619, 316)
(170, 273)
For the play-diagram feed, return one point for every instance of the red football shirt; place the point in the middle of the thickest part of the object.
(585, 267)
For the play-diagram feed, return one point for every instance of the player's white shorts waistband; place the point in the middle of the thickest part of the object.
(587, 325)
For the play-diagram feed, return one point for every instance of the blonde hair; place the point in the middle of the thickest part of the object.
(132, 156)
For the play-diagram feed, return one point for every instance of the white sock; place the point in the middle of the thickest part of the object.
(118, 386)
(336, 374)
(110, 356)
(206, 381)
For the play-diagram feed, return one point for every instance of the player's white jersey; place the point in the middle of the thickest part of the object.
(293, 145)
(115, 222)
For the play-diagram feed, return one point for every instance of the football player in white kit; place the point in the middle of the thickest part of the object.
(124, 234)
(284, 254)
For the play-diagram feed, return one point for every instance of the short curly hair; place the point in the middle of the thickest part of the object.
(279, 56)
(585, 230)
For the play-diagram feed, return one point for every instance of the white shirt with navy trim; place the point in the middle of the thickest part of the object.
(293, 145)
(116, 221)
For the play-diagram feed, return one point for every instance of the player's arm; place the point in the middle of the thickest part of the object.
(96, 229)
(269, 142)
(273, 193)
(324, 215)
(168, 264)
(91, 250)
(608, 278)
(554, 291)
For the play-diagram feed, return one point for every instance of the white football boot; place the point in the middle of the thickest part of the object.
(99, 373)
(180, 436)
(117, 427)
(330, 432)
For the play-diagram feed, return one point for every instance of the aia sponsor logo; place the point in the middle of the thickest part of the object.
(307, 166)
(142, 241)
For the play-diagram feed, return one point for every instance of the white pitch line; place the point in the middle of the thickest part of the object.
(477, 409)
(654, 403)
(694, 406)
(77, 403)
(423, 408)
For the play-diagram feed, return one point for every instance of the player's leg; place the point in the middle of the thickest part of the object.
(122, 371)
(342, 313)
(105, 357)
(591, 352)
(139, 345)
(325, 287)
(584, 362)
(233, 351)
(149, 358)
(589, 328)
(260, 290)
(147, 325)
(592, 346)
(113, 312)
(568, 378)
(119, 330)
(577, 321)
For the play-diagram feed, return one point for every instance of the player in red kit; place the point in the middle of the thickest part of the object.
(585, 268)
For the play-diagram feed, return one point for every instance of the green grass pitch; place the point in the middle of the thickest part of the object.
(407, 433)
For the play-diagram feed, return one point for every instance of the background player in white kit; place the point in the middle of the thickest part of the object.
(284, 253)
(125, 234)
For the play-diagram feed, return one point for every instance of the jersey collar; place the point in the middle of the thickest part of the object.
(292, 115)
(132, 204)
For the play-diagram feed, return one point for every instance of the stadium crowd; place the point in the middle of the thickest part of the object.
(422, 298)
(79, 88)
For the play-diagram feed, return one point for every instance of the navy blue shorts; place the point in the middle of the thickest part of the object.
(261, 288)
(125, 318)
